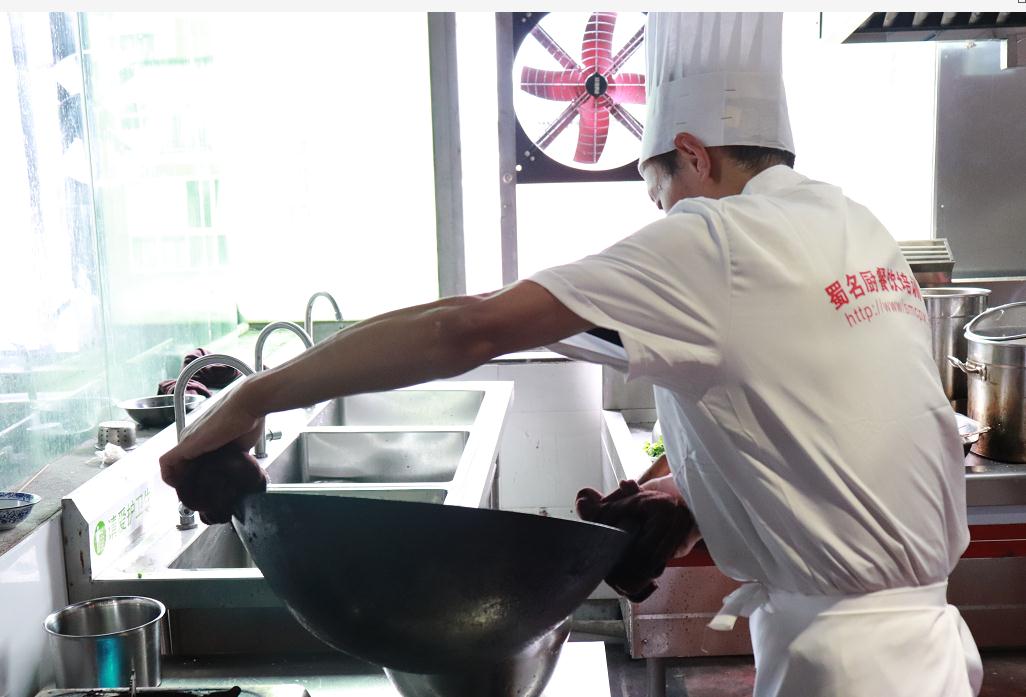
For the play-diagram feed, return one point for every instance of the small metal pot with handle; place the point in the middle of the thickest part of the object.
(996, 371)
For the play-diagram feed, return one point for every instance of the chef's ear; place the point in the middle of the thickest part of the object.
(694, 153)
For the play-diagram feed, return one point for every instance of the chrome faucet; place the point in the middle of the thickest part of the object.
(308, 323)
(260, 450)
(187, 516)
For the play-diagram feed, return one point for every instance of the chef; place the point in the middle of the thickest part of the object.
(804, 420)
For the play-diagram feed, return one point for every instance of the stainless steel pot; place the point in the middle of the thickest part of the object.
(996, 370)
(950, 308)
(106, 641)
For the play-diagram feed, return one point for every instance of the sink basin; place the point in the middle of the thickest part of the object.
(380, 456)
(404, 408)
(217, 547)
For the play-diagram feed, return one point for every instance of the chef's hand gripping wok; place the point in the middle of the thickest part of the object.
(660, 525)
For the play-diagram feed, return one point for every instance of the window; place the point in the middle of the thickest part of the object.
(863, 117)
(195, 166)
(290, 153)
(52, 368)
(475, 56)
(323, 153)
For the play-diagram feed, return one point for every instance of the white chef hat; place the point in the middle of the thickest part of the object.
(717, 75)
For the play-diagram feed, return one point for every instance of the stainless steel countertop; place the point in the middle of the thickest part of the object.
(994, 483)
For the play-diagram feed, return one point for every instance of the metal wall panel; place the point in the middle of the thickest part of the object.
(981, 160)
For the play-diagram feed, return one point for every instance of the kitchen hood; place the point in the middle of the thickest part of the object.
(937, 26)
(876, 27)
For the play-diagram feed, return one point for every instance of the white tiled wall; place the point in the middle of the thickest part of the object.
(551, 444)
(32, 585)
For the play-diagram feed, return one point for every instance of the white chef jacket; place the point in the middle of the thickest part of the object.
(803, 414)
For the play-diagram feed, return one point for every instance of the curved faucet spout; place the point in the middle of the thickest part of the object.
(260, 449)
(186, 516)
(258, 356)
(190, 370)
(308, 322)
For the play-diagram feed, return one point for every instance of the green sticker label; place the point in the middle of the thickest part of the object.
(100, 538)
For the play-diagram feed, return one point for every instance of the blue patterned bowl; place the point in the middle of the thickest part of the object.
(15, 507)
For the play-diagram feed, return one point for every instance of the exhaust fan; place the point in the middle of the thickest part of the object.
(579, 95)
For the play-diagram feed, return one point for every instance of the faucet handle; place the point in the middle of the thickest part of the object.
(260, 449)
(186, 517)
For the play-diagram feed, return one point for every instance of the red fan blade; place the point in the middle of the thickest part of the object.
(628, 50)
(594, 127)
(627, 88)
(561, 122)
(553, 48)
(625, 118)
(597, 47)
(560, 85)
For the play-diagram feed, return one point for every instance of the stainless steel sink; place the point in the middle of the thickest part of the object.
(379, 456)
(217, 547)
(419, 407)
(433, 443)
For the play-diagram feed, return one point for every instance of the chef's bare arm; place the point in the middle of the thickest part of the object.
(405, 347)
(409, 346)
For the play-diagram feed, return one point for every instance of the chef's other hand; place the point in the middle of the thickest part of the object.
(660, 524)
(213, 483)
(229, 419)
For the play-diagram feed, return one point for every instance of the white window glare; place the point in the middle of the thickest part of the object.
(479, 138)
(864, 118)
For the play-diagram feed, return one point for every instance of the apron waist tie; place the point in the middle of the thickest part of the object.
(741, 603)
(753, 595)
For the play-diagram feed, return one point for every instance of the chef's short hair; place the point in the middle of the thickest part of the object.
(752, 158)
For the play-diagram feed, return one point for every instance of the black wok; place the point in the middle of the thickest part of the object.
(422, 587)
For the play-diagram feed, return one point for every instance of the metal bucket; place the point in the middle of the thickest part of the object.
(103, 642)
(950, 308)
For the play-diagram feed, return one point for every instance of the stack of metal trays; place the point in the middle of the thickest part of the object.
(931, 260)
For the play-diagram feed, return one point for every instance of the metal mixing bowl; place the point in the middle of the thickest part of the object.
(158, 410)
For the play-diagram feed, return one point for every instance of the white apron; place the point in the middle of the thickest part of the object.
(902, 642)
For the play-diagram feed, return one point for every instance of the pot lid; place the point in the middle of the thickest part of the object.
(1001, 323)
